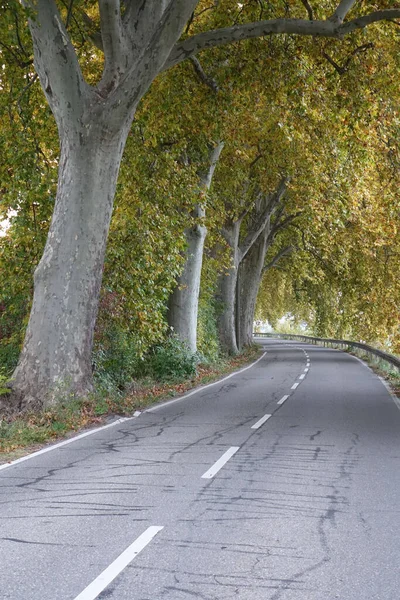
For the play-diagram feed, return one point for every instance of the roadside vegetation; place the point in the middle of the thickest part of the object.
(178, 372)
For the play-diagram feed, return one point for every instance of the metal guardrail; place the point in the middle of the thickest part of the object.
(343, 344)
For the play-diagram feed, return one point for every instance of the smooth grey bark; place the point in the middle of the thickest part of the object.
(93, 122)
(250, 279)
(251, 271)
(343, 8)
(67, 281)
(227, 281)
(253, 266)
(184, 300)
(226, 290)
(334, 27)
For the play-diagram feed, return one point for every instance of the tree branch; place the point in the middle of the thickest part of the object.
(228, 35)
(55, 60)
(209, 81)
(142, 20)
(69, 13)
(206, 178)
(279, 193)
(284, 252)
(149, 53)
(340, 13)
(254, 233)
(362, 22)
(279, 225)
(112, 34)
(343, 69)
(338, 68)
(93, 34)
(309, 9)
(147, 12)
(262, 220)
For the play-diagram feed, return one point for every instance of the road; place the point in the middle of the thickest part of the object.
(209, 498)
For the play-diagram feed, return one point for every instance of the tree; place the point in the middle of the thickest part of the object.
(252, 269)
(184, 300)
(258, 220)
(139, 40)
(343, 280)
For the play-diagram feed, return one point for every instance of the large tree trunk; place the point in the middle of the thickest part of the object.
(251, 270)
(226, 291)
(229, 330)
(252, 263)
(184, 301)
(56, 358)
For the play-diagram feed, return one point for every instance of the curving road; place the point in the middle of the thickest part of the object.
(281, 482)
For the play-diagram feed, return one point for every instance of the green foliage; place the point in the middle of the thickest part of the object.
(171, 360)
(207, 332)
(115, 359)
(28, 175)
(289, 325)
(3, 384)
(9, 353)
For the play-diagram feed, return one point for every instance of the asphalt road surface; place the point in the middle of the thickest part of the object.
(253, 489)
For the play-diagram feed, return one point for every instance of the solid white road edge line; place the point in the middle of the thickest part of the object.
(392, 395)
(261, 422)
(119, 564)
(302, 376)
(122, 420)
(294, 386)
(204, 387)
(282, 400)
(387, 386)
(220, 463)
(69, 441)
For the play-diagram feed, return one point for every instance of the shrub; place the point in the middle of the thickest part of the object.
(3, 384)
(9, 353)
(207, 332)
(170, 360)
(115, 359)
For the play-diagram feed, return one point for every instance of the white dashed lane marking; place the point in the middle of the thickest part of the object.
(220, 463)
(282, 400)
(93, 590)
(261, 422)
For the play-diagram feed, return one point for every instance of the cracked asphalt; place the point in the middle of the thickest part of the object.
(308, 508)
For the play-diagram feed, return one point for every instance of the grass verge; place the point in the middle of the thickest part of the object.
(24, 434)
